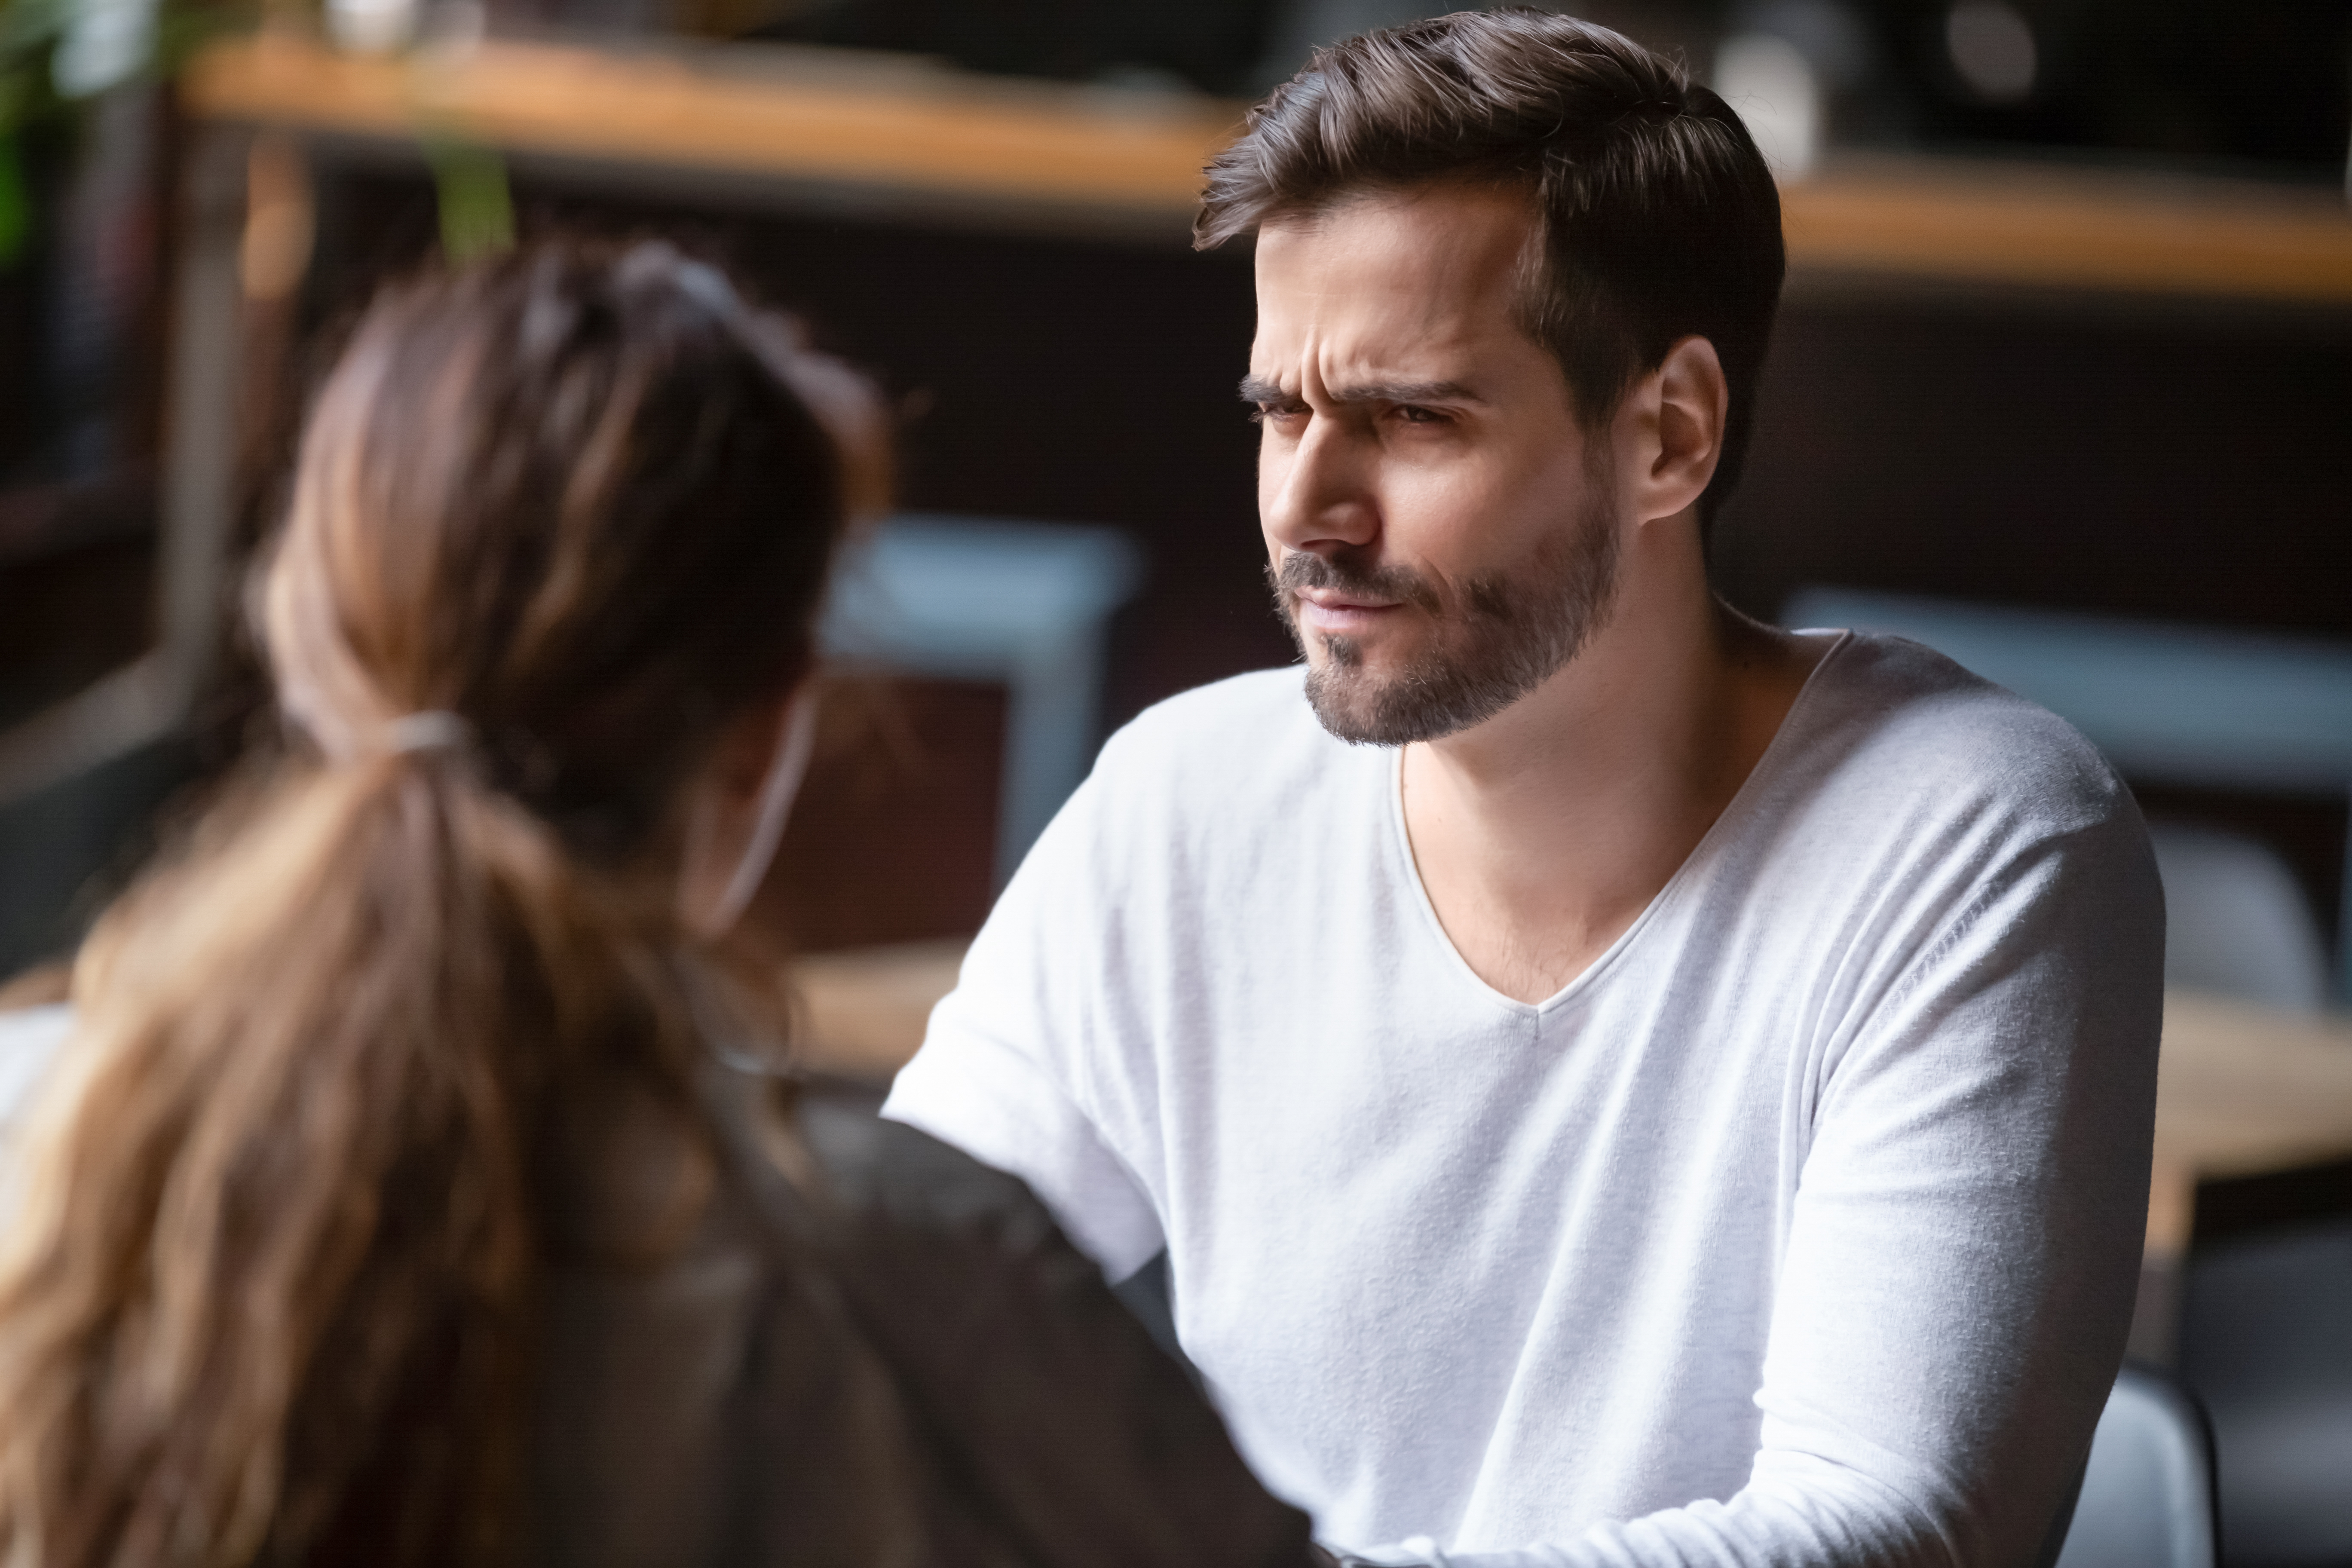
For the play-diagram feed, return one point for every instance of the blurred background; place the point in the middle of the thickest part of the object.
(2062, 385)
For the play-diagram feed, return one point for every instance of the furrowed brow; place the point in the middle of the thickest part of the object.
(1259, 390)
(1406, 391)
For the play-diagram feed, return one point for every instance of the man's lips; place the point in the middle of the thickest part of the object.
(1331, 611)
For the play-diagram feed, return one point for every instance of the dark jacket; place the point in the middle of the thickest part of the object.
(855, 1345)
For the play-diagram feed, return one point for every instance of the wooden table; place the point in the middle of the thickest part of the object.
(863, 1010)
(2241, 1091)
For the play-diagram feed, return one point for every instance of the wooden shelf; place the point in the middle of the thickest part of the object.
(912, 129)
(762, 111)
(2085, 230)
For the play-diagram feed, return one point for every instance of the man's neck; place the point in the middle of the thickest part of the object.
(1543, 833)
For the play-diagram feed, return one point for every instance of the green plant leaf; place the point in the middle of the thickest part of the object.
(15, 202)
(477, 206)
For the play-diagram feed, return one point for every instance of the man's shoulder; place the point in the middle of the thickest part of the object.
(1898, 720)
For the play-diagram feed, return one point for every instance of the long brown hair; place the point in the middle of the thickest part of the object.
(268, 1289)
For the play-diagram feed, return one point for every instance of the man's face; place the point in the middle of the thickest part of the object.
(1441, 535)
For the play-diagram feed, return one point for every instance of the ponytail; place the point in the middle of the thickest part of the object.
(268, 1289)
(272, 1282)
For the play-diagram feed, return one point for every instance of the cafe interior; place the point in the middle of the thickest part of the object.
(2061, 386)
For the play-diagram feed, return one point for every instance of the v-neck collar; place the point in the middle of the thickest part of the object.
(1726, 823)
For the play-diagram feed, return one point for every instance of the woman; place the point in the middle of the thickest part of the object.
(413, 1189)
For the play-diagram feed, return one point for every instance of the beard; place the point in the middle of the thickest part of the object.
(1499, 638)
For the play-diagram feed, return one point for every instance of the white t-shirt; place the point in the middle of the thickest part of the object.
(1801, 1229)
(30, 1038)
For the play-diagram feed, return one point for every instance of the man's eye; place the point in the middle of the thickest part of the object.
(1413, 415)
(1265, 411)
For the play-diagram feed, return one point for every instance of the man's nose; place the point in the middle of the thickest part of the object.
(1321, 497)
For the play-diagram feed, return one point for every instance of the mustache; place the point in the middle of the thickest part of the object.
(1303, 569)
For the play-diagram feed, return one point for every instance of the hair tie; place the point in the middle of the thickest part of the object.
(432, 729)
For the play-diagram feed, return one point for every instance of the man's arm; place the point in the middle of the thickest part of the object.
(998, 1076)
(1957, 1284)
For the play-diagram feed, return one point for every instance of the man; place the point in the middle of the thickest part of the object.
(1616, 1082)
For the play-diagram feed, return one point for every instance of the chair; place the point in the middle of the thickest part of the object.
(2266, 1341)
(2146, 1500)
(2236, 921)
(1025, 603)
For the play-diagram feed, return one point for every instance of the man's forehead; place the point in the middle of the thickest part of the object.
(1410, 286)
(1431, 239)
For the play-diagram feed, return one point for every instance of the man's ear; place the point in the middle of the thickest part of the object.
(1680, 408)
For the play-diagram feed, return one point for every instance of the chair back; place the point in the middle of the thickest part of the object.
(2235, 921)
(2147, 1493)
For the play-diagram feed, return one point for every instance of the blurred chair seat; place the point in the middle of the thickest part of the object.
(2148, 1492)
(1025, 603)
(2266, 1341)
(2168, 704)
(2235, 920)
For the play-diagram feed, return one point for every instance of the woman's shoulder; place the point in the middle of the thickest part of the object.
(1091, 1441)
(888, 1174)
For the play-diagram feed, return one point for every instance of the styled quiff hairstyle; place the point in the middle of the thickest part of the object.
(1661, 220)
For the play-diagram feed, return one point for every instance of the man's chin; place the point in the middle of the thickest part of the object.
(1359, 706)
(1370, 704)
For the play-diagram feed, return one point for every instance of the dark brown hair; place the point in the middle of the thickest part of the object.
(1661, 219)
(270, 1284)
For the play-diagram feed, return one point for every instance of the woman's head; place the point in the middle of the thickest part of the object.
(270, 1286)
(584, 499)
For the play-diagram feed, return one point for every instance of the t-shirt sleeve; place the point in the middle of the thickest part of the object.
(1962, 1249)
(1003, 1073)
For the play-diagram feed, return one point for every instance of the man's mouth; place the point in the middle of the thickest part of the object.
(1335, 613)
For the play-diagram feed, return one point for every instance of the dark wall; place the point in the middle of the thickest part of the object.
(2154, 460)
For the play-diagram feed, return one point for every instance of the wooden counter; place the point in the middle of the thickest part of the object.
(915, 131)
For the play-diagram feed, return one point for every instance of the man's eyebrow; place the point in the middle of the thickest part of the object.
(1257, 389)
